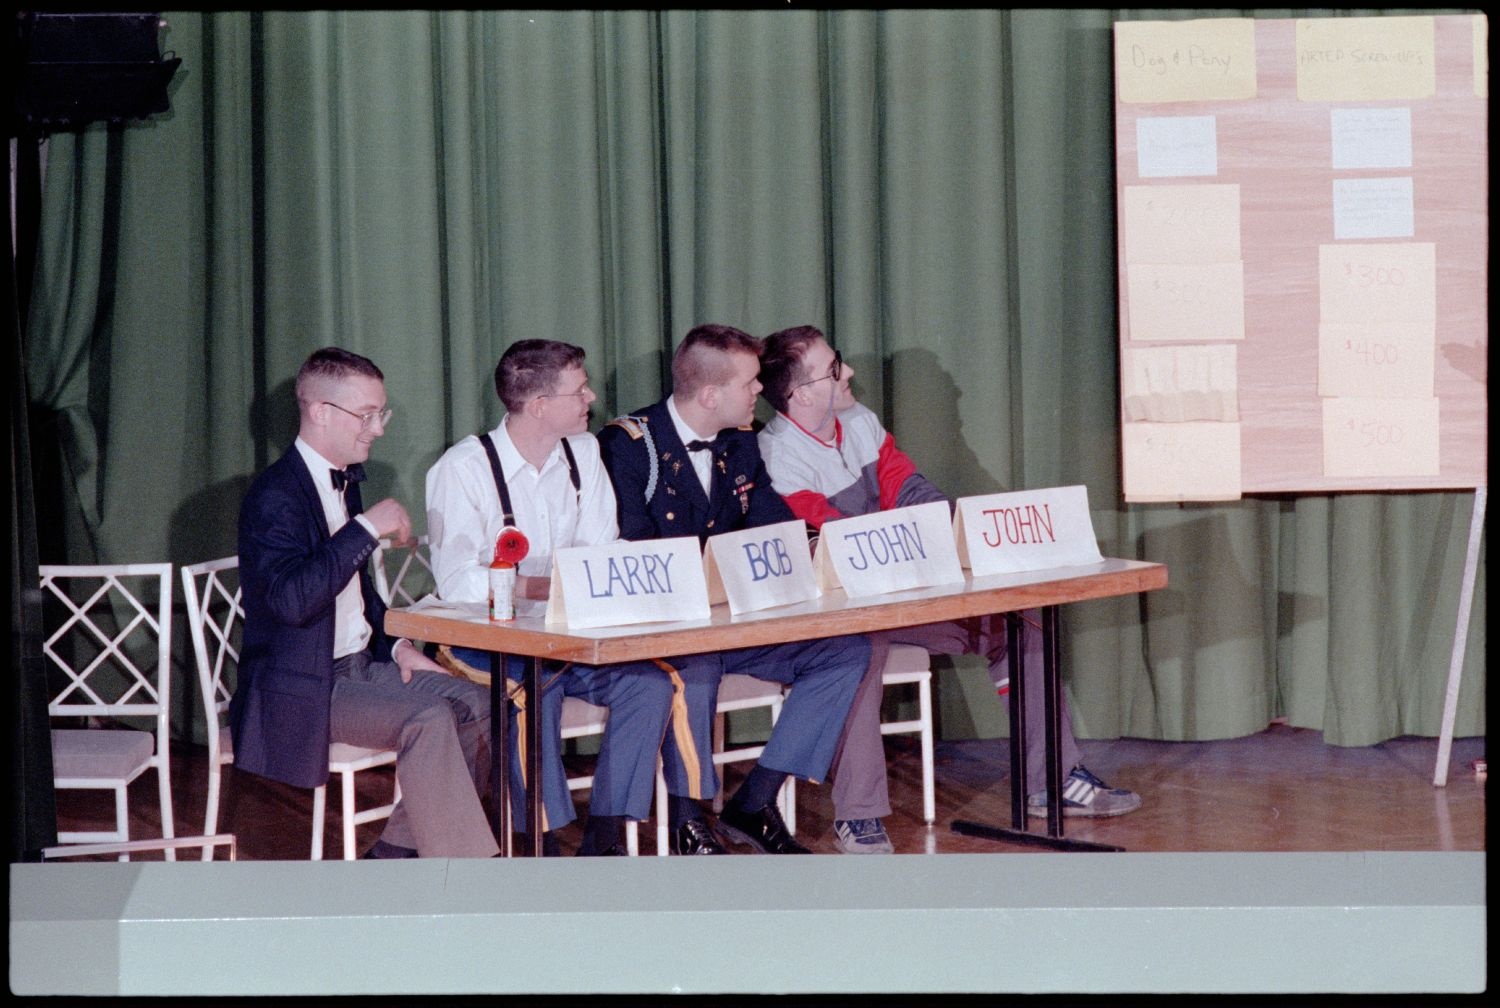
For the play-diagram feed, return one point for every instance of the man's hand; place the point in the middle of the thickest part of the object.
(410, 659)
(391, 521)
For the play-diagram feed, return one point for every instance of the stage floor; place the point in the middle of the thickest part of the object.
(1282, 789)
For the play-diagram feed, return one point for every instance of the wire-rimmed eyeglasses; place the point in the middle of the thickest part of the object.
(365, 419)
(834, 370)
(566, 395)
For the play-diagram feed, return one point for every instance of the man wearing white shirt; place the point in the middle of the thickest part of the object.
(547, 465)
(315, 664)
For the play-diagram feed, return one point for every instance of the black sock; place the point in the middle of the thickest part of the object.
(681, 809)
(602, 833)
(759, 789)
(550, 845)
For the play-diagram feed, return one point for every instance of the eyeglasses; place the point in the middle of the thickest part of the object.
(365, 419)
(566, 395)
(834, 371)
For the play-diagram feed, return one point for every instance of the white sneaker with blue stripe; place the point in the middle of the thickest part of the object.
(1085, 796)
(862, 836)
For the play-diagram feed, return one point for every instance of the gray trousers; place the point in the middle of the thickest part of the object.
(439, 726)
(860, 790)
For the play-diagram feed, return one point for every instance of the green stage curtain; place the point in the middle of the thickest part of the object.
(933, 188)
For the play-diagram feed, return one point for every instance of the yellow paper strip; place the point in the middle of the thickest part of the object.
(1365, 438)
(1182, 461)
(1359, 359)
(1176, 384)
(1182, 224)
(1365, 59)
(1210, 59)
(1378, 283)
(1179, 301)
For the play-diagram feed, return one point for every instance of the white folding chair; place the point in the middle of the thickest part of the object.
(413, 572)
(909, 663)
(113, 647)
(214, 614)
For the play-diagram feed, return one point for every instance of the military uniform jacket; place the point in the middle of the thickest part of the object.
(642, 453)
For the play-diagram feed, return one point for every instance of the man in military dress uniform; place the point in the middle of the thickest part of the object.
(690, 466)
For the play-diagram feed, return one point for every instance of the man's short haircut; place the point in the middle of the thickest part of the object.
(328, 365)
(781, 368)
(704, 357)
(531, 367)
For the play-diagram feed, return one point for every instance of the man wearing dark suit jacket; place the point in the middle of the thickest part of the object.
(690, 466)
(316, 666)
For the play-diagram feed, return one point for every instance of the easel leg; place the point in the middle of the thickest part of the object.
(1460, 639)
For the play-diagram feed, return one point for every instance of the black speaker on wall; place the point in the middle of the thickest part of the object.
(75, 68)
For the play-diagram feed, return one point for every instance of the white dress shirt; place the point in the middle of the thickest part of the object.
(463, 510)
(351, 631)
(703, 461)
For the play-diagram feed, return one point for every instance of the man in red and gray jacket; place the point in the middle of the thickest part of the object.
(829, 458)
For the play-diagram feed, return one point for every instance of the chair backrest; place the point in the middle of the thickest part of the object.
(113, 643)
(214, 614)
(413, 577)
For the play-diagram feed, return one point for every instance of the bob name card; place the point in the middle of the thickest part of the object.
(1008, 533)
(910, 547)
(758, 568)
(619, 583)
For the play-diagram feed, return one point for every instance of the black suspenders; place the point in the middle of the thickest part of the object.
(507, 514)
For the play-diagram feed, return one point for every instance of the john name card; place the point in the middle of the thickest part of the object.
(758, 568)
(1007, 533)
(655, 580)
(910, 547)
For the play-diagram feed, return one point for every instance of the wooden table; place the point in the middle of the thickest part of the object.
(830, 615)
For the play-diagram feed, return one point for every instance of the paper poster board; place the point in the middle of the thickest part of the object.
(757, 568)
(1026, 530)
(625, 582)
(886, 551)
(1303, 254)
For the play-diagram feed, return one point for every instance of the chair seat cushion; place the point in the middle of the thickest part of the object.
(908, 658)
(579, 717)
(746, 690)
(100, 753)
(342, 755)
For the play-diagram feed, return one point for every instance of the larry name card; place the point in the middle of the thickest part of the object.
(624, 582)
(758, 568)
(1008, 533)
(910, 547)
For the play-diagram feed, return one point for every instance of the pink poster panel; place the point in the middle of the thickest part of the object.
(1303, 254)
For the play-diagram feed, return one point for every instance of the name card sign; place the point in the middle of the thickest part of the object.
(761, 567)
(910, 547)
(1007, 533)
(625, 582)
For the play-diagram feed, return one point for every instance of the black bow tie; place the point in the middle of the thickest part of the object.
(343, 477)
(708, 446)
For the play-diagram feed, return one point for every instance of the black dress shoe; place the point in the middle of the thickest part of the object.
(695, 836)
(383, 851)
(763, 829)
(613, 850)
(521, 843)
